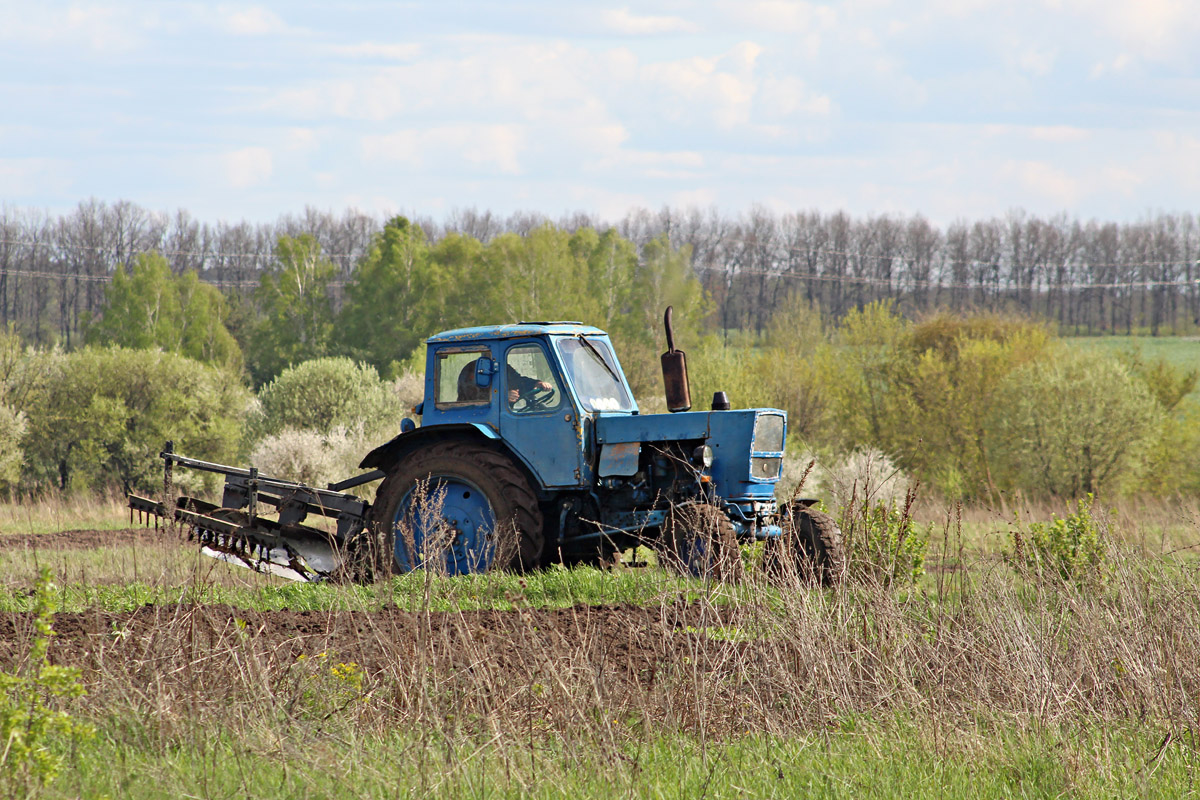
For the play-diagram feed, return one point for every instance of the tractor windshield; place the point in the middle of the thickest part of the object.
(594, 374)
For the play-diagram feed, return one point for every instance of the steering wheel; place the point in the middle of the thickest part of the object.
(535, 398)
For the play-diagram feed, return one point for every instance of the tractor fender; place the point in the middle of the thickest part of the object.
(388, 454)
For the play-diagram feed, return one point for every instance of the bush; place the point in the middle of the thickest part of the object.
(883, 544)
(12, 428)
(866, 474)
(310, 457)
(1073, 425)
(35, 733)
(1072, 547)
(324, 394)
(100, 417)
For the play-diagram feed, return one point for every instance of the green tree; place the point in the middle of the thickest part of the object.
(150, 307)
(924, 392)
(1073, 424)
(296, 322)
(385, 315)
(539, 276)
(99, 417)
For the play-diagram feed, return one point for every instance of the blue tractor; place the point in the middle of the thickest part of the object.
(531, 450)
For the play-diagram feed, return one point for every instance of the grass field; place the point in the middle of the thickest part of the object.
(1180, 351)
(980, 681)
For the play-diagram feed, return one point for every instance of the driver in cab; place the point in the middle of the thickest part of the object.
(518, 384)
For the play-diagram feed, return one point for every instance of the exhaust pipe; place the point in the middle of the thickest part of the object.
(674, 369)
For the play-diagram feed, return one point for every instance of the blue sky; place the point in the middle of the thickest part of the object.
(950, 109)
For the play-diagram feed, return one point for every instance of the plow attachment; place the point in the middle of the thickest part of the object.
(235, 531)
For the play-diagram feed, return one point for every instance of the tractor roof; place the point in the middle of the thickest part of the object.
(564, 328)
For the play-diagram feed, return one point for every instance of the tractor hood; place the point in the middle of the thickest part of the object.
(747, 444)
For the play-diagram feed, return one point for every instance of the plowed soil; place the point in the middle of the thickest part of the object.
(374, 639)
(83, 540)
(552, 668)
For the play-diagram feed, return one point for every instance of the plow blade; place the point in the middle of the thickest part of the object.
(298, 552)
(235, 533)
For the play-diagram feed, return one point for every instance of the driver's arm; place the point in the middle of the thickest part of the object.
(518, 383)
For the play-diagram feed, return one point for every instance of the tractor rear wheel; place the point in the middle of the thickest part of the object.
(810, 547)
(699, 540)
(457, 506)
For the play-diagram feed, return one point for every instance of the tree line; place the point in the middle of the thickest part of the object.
(1085, 276)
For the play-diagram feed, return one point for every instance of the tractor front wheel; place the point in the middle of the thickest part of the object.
(458, 506)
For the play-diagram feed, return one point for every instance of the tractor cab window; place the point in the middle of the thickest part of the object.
(456, 382)
(529, 381)
(594, 374)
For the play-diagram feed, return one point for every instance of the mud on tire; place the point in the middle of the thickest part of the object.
(517, 535)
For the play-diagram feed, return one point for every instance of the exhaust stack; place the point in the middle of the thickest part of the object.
(674, 369)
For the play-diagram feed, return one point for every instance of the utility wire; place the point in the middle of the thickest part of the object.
(734, 272)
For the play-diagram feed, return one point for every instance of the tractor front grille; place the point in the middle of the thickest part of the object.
(765, 469)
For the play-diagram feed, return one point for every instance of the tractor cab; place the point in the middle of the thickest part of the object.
(537, 386)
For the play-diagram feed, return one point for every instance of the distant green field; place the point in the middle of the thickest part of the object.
(1183, 351)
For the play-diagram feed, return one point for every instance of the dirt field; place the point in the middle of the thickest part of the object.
(82, 540)
(622, 636)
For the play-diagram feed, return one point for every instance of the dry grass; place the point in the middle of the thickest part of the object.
(983, 641)
(63, 512)
(980, 648)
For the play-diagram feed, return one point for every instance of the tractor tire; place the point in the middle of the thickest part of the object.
(810, 548)
(465, 502)
(699, 540)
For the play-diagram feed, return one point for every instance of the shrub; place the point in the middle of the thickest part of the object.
(100, 417)
(310, 457)
(12, 428)
(36, 733)
(409, 387)
(1072, 547)
(883, 544)
(1072, 425)
(324, 394)
(866, 474)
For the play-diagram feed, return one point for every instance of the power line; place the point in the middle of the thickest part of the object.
(858, 255)
(891, 283)
(901, 283)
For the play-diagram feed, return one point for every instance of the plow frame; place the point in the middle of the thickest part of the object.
(238, 533)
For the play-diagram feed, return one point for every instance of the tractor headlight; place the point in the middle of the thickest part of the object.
(702, 456)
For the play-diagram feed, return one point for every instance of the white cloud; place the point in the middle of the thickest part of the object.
(624, 22)
(250, 21)
(781, 16)
(247, 167)
(494, 146)
(1045, 181)
(1059, 133)
(399, 51)
(701, 84)
(24, 176)
(788, 95)
(104, 30)
(1037, 62)
(1116, 66)
(301, 140)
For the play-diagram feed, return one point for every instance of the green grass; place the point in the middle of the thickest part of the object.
(1179, 351)
(210, 582)
(854, 759)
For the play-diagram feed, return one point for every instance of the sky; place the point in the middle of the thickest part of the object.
(954, 109)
